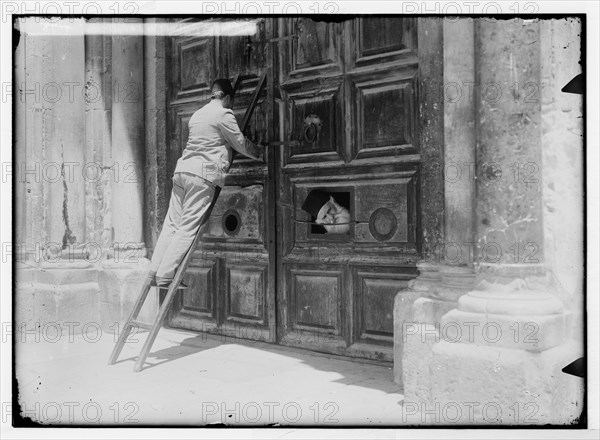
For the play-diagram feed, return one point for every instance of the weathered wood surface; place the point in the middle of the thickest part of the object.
(342, 112)
(355, 81)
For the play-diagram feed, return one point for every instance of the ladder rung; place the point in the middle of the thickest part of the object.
(140, 324)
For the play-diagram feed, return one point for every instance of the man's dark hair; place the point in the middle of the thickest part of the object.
(221, 88)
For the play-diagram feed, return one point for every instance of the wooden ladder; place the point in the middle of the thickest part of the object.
(153, 328)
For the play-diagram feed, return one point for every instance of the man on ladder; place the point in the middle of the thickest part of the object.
(213, 133)
(197, 181)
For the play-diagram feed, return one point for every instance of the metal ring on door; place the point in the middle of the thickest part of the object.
(311, 128)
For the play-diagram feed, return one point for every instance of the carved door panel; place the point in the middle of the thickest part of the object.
(231, 278)
(348, 116)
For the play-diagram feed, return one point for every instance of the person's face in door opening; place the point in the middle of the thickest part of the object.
(334, 217)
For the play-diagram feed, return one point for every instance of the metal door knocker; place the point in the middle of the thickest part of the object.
(311, 128)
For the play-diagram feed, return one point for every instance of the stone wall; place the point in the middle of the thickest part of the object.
(79, 175)
(495, 357)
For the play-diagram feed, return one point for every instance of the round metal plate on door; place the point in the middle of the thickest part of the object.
(383, 224)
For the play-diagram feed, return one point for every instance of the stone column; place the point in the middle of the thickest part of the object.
(63, 286)
(459, 141)
(65, 152)
(502, 349)
(562, 162)
(126, 267)
(442, 282)
(29, 229)
(98, 171)
(68, 280)
(431, 134)
(128, 136)
(155, 109)
(456, 269)
(430, 145)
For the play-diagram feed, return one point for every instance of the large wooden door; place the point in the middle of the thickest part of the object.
(232, 274)
(342, 99)
(348, 116)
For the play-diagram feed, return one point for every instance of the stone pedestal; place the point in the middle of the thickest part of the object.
(60, 296)
(502, 351)
(498, 386)
(120, 284)
(439, 288)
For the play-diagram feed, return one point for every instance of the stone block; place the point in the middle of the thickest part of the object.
(23, 299)
(44, 303)
(45, 310)
(78, 304)
(498, 386)
(403, 306)
(107, 313)
(431, 310)
(525, 332)
(416, 359)
(120, 286)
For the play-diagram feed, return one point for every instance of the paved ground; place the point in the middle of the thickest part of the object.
(195, 379)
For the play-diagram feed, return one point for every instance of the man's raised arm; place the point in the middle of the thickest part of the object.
(234, 137)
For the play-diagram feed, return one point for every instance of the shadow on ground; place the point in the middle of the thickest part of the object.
(368, 374)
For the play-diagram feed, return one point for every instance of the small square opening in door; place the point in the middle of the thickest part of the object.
(333, 220)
